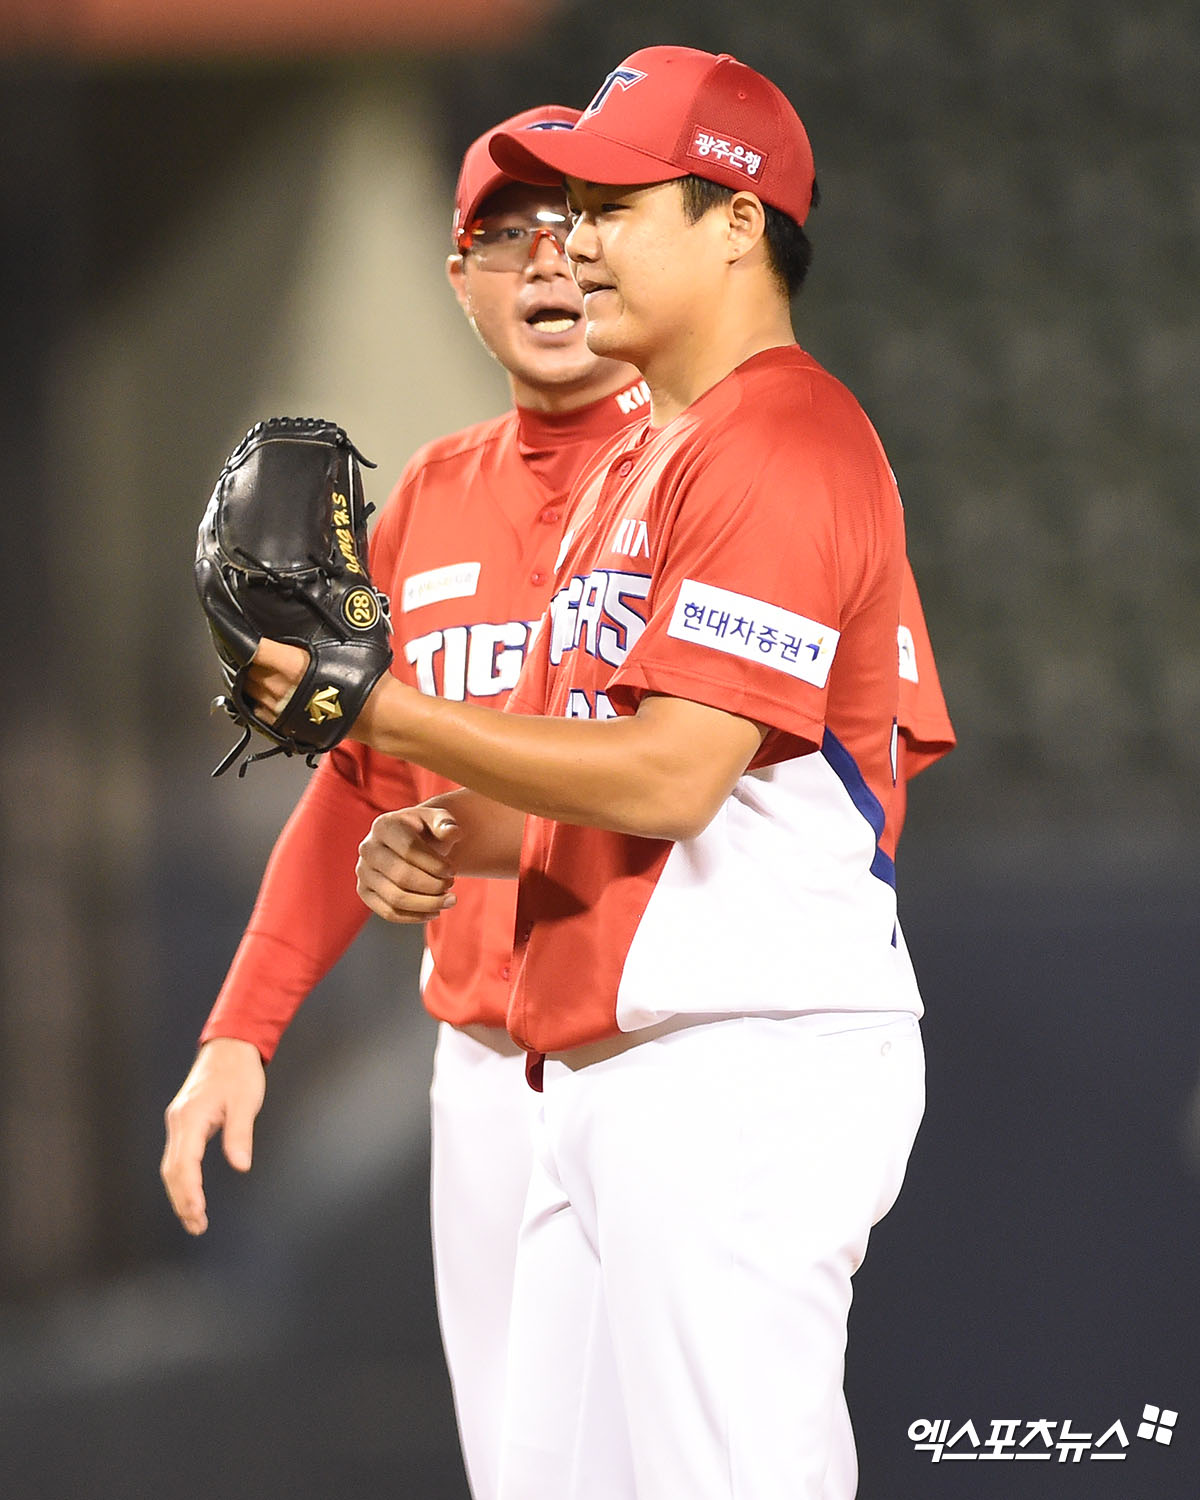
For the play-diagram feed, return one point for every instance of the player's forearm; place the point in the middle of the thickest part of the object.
(661, 773)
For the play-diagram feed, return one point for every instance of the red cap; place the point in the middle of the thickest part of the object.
(669, 112)
(479, 176)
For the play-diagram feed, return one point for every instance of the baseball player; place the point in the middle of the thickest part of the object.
(465, 549)
(693, 779)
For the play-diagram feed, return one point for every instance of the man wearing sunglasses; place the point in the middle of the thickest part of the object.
(465, 548)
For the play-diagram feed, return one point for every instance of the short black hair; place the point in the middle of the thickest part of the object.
(789, 249)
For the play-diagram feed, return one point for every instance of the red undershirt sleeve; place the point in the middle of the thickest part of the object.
(308, 911)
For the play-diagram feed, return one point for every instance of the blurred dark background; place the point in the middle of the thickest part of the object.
(204, 226)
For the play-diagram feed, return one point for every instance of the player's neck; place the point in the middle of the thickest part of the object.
(553, 399)
(706, 353)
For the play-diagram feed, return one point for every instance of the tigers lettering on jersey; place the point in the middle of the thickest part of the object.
(585, 705)
(469, 661)
(595, 614)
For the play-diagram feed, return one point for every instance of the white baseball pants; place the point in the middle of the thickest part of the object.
(697, 1208)
(481, 1118)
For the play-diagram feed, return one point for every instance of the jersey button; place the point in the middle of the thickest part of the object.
(537, 577)
(504, 971)
(549, 516)
(625, 467)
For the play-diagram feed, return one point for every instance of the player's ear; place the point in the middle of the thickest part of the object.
(746, 223)
(456, 274)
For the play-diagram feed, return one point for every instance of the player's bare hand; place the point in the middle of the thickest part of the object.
(274, 674)
(224, 1091)
(405, 867)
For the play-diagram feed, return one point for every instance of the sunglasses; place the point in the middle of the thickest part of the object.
(511, 247)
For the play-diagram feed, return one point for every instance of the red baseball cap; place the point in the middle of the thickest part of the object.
(479, 176)
(669, 112)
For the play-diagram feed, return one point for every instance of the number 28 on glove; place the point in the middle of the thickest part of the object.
(280, 553)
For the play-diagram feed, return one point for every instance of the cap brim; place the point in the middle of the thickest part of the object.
(578, 153)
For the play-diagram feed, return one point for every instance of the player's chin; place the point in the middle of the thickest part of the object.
(566, 362)
(605, 340)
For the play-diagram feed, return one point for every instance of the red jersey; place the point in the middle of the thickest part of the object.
(465, 550)
(750, 556)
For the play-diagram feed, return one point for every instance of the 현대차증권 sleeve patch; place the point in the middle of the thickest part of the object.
(754, 630)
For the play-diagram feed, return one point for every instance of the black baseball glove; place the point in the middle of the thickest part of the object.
(281, 553)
